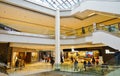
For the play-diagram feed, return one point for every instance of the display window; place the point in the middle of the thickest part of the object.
(82, 55)
(34, 56)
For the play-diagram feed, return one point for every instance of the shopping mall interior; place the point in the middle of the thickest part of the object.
(59, 37)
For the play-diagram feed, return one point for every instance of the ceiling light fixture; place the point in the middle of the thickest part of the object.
(72, 49)
(107, 51)
(91, 14)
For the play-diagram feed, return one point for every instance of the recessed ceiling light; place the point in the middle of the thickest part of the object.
(91, 14)
(101, 25)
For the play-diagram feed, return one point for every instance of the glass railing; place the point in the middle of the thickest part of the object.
(80, 69)
(81, 32)
(95, 70)
(88, 30)
(113, 29)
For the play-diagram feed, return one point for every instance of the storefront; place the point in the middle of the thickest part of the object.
(28, 55)
(81, 55)
(44, 55)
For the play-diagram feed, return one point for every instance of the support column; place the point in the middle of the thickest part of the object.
(57, 41)
(94, 27)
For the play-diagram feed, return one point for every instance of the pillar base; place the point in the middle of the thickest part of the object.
(57, 67)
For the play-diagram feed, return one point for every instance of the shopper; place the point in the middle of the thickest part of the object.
(72, 59)
(22, 64)
(109, 28)
(84, 64)
(83, 30)
(93, 60)
(17, 64)
(52, 61)
(89, 64)
(97, 60)
(61, 59)
(75, 65)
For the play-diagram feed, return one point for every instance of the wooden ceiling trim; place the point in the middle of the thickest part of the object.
(115, 21)
(62, 29)
(27, 22)
(107, 20)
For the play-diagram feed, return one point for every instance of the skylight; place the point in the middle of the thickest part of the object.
(54, 4)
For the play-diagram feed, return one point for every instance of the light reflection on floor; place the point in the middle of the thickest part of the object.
(58, 73)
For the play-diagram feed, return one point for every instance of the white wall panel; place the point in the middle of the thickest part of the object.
(106, 38)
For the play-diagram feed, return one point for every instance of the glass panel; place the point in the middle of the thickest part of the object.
(61, 4)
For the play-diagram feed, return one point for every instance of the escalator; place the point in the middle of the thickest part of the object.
(4, 27)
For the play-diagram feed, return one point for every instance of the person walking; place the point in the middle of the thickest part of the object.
(84, 64)
(72, 59)
(75, 65)
(89, 64)
(52, 61)
(97, 60)
(61, 59)
(93, 61)
(17, 64)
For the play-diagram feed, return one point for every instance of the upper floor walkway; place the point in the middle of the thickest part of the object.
(103, 37)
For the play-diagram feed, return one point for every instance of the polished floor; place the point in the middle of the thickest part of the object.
(30, 69)
(45, 69)
(58, 73)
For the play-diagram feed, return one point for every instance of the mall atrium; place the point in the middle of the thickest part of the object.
(47, 37)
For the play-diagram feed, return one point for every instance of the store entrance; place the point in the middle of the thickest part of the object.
(81, 56)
